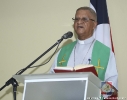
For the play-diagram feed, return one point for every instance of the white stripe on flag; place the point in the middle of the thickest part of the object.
(102, 32)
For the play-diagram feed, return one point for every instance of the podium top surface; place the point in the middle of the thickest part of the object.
(90, 76)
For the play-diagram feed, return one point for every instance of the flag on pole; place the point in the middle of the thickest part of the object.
(103, 32)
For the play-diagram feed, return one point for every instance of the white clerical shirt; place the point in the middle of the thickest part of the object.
(81, 54)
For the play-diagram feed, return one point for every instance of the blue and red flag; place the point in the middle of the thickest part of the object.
(103, 31)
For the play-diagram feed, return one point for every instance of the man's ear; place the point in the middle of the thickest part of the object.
(95, 24)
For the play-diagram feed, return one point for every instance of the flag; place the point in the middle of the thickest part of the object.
(103, 32)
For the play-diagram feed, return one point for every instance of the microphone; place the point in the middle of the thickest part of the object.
(67, 35)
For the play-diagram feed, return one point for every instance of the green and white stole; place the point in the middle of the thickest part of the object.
(100, 57)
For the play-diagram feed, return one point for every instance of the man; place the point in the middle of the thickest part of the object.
(87, 50)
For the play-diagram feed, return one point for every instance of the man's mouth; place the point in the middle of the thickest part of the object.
(80, 27)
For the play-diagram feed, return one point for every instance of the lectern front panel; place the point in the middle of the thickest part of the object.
(55, 90)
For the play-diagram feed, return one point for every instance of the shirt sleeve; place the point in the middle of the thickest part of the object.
(111, 72)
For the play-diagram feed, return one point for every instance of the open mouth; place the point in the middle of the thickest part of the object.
(80, 27)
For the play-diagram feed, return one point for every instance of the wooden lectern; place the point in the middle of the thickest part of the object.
(60, 86)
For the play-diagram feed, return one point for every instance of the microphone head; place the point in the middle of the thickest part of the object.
(67, 35)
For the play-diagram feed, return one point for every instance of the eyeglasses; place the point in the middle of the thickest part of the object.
(82, 19)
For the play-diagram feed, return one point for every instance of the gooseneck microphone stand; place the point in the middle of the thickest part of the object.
(14, 82)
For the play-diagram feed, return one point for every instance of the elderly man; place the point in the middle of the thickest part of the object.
(86, 49)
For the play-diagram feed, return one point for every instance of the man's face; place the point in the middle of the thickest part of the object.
(82, 25)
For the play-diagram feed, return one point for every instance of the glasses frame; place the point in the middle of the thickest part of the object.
(82, 19)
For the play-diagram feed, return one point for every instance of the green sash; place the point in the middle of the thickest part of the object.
(100, 57)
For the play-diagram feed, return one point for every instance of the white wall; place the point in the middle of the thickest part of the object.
(30, 27)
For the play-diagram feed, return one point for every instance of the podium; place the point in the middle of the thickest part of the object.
(60, 86)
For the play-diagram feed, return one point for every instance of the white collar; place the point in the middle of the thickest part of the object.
(86, 41)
